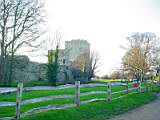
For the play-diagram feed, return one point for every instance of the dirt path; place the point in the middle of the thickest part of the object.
(150, 111)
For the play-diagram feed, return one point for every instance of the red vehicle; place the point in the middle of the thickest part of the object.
(135, 85)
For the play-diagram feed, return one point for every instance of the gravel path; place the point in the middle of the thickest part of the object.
(150, 111)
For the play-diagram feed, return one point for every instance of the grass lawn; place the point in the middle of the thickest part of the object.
(97, 110)
(44, 93)
(46, 83)
(109, 80)
(9, 111)
(132, 102)
(31, 84)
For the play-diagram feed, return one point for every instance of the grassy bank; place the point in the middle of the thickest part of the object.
(97, 110)
(132, 100)
(10, 111)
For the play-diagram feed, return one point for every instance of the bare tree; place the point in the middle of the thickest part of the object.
(94, 64)
(116, 75)
(19, 26)
(139, 57)
(88, 63)
(82, 62)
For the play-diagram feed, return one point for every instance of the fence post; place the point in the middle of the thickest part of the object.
(18, 100)
(109, 92)
(77, 93)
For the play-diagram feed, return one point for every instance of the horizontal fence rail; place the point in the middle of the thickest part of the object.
(46, 108)
(93, 93)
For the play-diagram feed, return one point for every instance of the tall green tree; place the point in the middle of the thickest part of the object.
(53, 64)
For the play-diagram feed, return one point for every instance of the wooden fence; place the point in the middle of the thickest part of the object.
(135, 88)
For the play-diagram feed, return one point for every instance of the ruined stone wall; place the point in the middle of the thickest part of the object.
(26, 70)
(31, 71)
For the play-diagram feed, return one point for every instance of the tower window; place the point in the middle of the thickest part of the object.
(64, 61)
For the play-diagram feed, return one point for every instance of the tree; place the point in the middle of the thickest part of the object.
(105, 77)
(116, 75)
(19, 27)
(87, 63)
(139, 57)
(53, 64)
(94, 63)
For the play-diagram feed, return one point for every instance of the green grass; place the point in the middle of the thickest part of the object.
(25, 108)
(10, 111)
(109, 80)
(106, 81)
(154, 88)
(44, 93)
(36, 94)
(46, 83)
(156, 78)
(31, 84)
(97, 110)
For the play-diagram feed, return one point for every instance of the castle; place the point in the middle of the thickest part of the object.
(36, 71)
(73, 49)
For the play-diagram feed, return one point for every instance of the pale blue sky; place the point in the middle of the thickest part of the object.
(104, 23)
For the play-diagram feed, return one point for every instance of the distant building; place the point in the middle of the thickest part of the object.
(73, 49)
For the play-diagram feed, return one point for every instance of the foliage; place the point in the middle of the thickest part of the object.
(110, 80)
(139, 57)
(53, 66)
(105, 76)
(115, 75)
